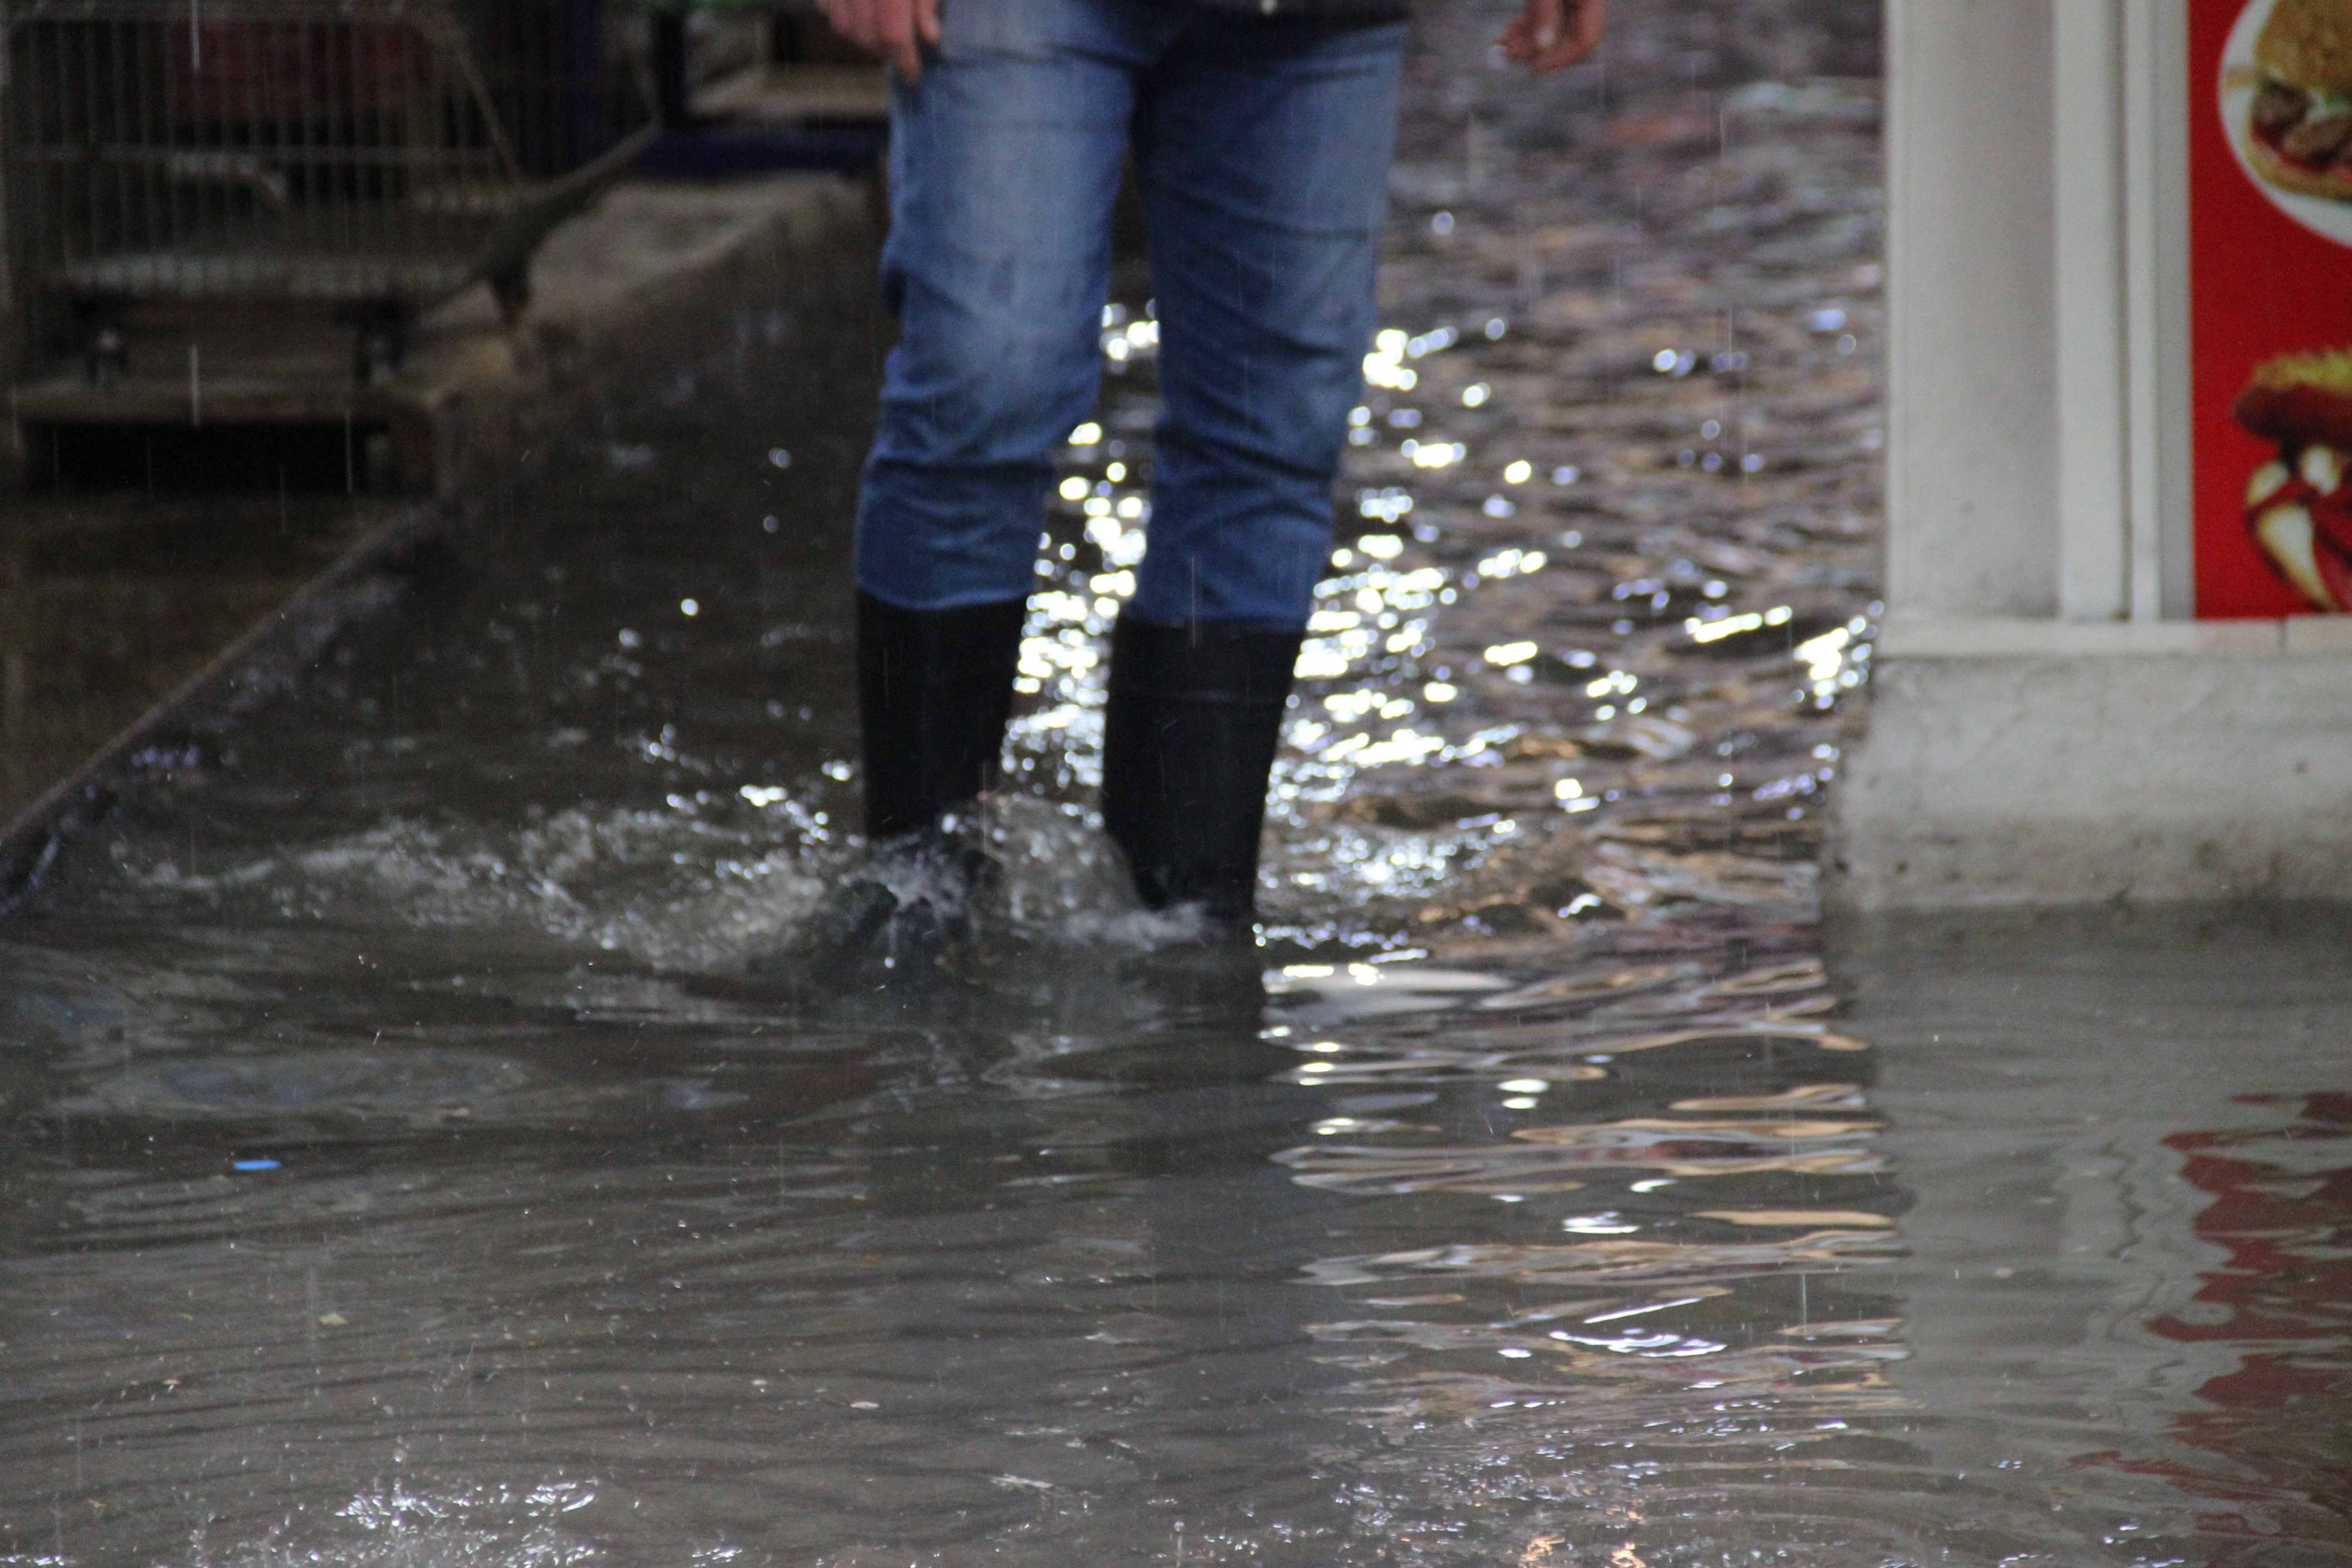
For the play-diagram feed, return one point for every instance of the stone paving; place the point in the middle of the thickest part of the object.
(1585, 654)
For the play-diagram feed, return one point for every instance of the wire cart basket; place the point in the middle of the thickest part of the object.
(366, 157)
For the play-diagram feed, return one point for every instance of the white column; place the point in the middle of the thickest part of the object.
(1972, 386)
(2156, 266)
(2095, 494)
(2047, 724)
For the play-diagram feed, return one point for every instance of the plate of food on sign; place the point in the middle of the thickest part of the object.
(2286, 103)
(2299, 503)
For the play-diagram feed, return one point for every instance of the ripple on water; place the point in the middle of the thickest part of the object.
(413, 1158)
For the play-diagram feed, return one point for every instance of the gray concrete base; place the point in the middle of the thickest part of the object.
(656, 278)
(2067, 778)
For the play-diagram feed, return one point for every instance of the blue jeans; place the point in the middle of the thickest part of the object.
(1261, 151)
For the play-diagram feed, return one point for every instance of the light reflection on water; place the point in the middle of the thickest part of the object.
(419, 1154)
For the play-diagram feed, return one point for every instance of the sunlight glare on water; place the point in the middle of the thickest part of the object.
(428, 1143)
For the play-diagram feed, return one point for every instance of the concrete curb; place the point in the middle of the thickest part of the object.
(659, 278)
(1987, 782)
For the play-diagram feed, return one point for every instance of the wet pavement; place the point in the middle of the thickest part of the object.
(108, 603)
(427, 1145)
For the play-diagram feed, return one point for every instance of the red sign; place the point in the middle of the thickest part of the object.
(2269, 180)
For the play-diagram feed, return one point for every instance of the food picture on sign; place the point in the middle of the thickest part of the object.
(2298, 505)
(2298, 130)
(2270, 266)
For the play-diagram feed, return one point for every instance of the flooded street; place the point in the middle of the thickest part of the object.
(429, 1140)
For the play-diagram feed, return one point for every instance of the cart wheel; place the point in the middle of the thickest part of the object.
(109, 356)
(380, 342)
(105, 351)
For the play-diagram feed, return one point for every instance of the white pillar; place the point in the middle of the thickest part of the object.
(2047, 724)
(2094, 427)
(1972, 384)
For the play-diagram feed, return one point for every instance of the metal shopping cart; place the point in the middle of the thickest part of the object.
(358, 159)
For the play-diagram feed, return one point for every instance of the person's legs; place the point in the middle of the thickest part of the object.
(1263, 151)
(1005, 164)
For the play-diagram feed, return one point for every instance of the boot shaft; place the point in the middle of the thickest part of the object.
(934, 691)
(1189, 739)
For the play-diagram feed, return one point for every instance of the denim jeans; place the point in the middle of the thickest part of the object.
(1262, 152)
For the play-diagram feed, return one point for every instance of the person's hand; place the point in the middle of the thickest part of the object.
(894, 30)
(1550, 35)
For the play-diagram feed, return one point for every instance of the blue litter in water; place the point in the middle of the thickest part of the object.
(253, 1164)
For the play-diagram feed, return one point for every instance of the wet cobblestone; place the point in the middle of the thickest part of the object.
(1586, 654)
(416, 1156)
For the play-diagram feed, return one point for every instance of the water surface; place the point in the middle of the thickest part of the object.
(430, 1142)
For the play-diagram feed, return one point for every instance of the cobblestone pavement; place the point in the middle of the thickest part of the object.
(1583, 663)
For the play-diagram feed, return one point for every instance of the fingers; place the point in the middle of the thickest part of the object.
(894, 27)
(850, 18)
(1553, 34)
(1579, 35)
(1533, 31)
(894, 30)
(841, 15)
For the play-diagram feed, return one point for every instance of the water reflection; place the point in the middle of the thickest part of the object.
(2281, 1213)
(423, 1147)
(1685, 1299)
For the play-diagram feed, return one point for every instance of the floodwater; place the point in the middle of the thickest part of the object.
(107, 607)
(431, 1143)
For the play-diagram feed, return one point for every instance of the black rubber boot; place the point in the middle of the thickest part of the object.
(934, 690)
(1189, 738)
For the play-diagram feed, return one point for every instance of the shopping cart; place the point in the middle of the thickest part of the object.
(364, 157)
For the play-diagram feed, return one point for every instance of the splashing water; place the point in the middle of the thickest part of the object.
(418, 1154)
